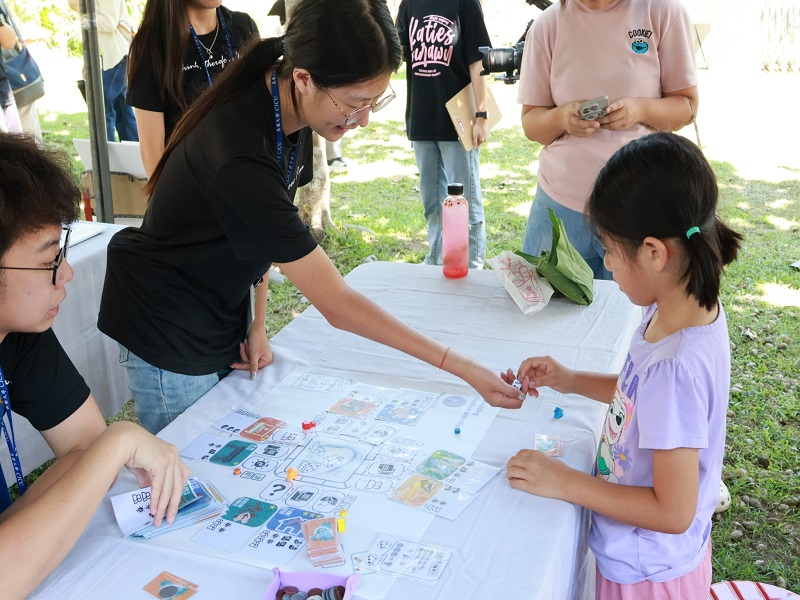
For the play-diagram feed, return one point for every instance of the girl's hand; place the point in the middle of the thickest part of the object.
(572, 123)
(541, 371)
(255, 352)
(622, 114)
(527, 388)
(536, 473)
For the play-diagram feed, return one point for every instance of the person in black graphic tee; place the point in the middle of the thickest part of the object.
(172, 61)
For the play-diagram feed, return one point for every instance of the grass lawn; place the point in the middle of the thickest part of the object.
(759, 537)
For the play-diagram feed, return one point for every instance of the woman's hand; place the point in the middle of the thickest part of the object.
(622, 114)
(573, 124)
(495, 390)
(255, 352)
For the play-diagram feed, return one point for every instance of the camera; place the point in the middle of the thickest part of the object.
(508, 60)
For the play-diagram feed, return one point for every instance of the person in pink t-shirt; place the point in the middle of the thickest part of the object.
(638, 53)
(659, 457)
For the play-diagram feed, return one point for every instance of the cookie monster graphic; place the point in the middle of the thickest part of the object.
(639, 46)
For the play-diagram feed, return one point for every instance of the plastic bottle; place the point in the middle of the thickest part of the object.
(455, 232)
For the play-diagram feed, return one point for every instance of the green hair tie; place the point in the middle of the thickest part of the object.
(691, 231)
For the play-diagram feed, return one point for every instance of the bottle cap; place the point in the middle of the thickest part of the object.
(455, 189)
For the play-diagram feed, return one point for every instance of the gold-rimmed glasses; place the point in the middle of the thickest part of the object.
(353, 116)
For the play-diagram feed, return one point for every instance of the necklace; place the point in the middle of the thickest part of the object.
(214, 41)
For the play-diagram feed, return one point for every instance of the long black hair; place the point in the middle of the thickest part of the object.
(661, 185)
(339, 42)
(161, 40)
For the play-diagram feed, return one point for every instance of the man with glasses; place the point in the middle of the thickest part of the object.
(38, 381)
(440, 41)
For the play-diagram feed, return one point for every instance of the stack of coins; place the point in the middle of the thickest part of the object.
(290, 592)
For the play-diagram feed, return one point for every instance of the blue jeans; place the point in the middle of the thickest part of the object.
(119, 115)
(441, 163)
(160, 395)
(539, 233)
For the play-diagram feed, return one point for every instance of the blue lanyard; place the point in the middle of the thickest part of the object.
(276, 107)
(200, 49)
(10, 440)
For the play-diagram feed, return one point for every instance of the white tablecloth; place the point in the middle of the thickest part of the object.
(95, 355)
(507, 543)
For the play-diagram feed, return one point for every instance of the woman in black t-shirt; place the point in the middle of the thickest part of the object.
(179, 49)
(221, 211)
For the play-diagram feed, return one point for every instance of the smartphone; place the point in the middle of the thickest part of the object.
(593, 109)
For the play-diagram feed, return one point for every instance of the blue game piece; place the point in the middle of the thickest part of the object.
(558, 413)
(457, 430)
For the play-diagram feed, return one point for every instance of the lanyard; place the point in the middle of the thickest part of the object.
(279, 137)
(12, 444)
(200, 50)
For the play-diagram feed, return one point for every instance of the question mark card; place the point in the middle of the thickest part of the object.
(239, 523)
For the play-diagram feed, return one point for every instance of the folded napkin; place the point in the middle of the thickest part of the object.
(564, 267)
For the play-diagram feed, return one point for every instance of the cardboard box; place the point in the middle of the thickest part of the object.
(127, 194)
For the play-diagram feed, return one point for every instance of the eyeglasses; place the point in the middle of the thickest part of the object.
(62, 254)
(351, 118)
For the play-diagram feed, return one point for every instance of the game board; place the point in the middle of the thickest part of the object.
(383, 449)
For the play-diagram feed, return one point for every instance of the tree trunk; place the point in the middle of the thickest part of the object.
(314, 199)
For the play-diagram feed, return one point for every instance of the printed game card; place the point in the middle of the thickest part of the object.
(262, 429)
(472, 476)
(395, 556)
(232, 453)
(205, 446)
(352, 407)
(239, 523)
(132, 510)
(237, 421)
(440, 465)
(417, 490)
(435, 497)
(552, 445)
(317, 382)
(282, 538)
(167, 585)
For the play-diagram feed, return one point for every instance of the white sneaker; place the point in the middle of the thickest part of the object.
(724, 498)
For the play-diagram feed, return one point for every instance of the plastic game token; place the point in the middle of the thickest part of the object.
(308, 425)
(558, 413)
(457, 430)
(237, 471)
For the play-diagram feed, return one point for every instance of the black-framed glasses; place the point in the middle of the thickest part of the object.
(62, 254)
(379, 104)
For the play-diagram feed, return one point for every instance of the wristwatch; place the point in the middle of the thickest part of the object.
(481, 114)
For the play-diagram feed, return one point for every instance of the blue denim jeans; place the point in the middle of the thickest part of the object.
(441, 163)
(539, 233)
(160, 396)
(119, 115)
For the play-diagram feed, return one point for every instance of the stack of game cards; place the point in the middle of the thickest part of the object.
(200, 501)
(322, 542)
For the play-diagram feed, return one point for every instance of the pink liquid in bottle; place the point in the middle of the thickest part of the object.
(455, 232)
